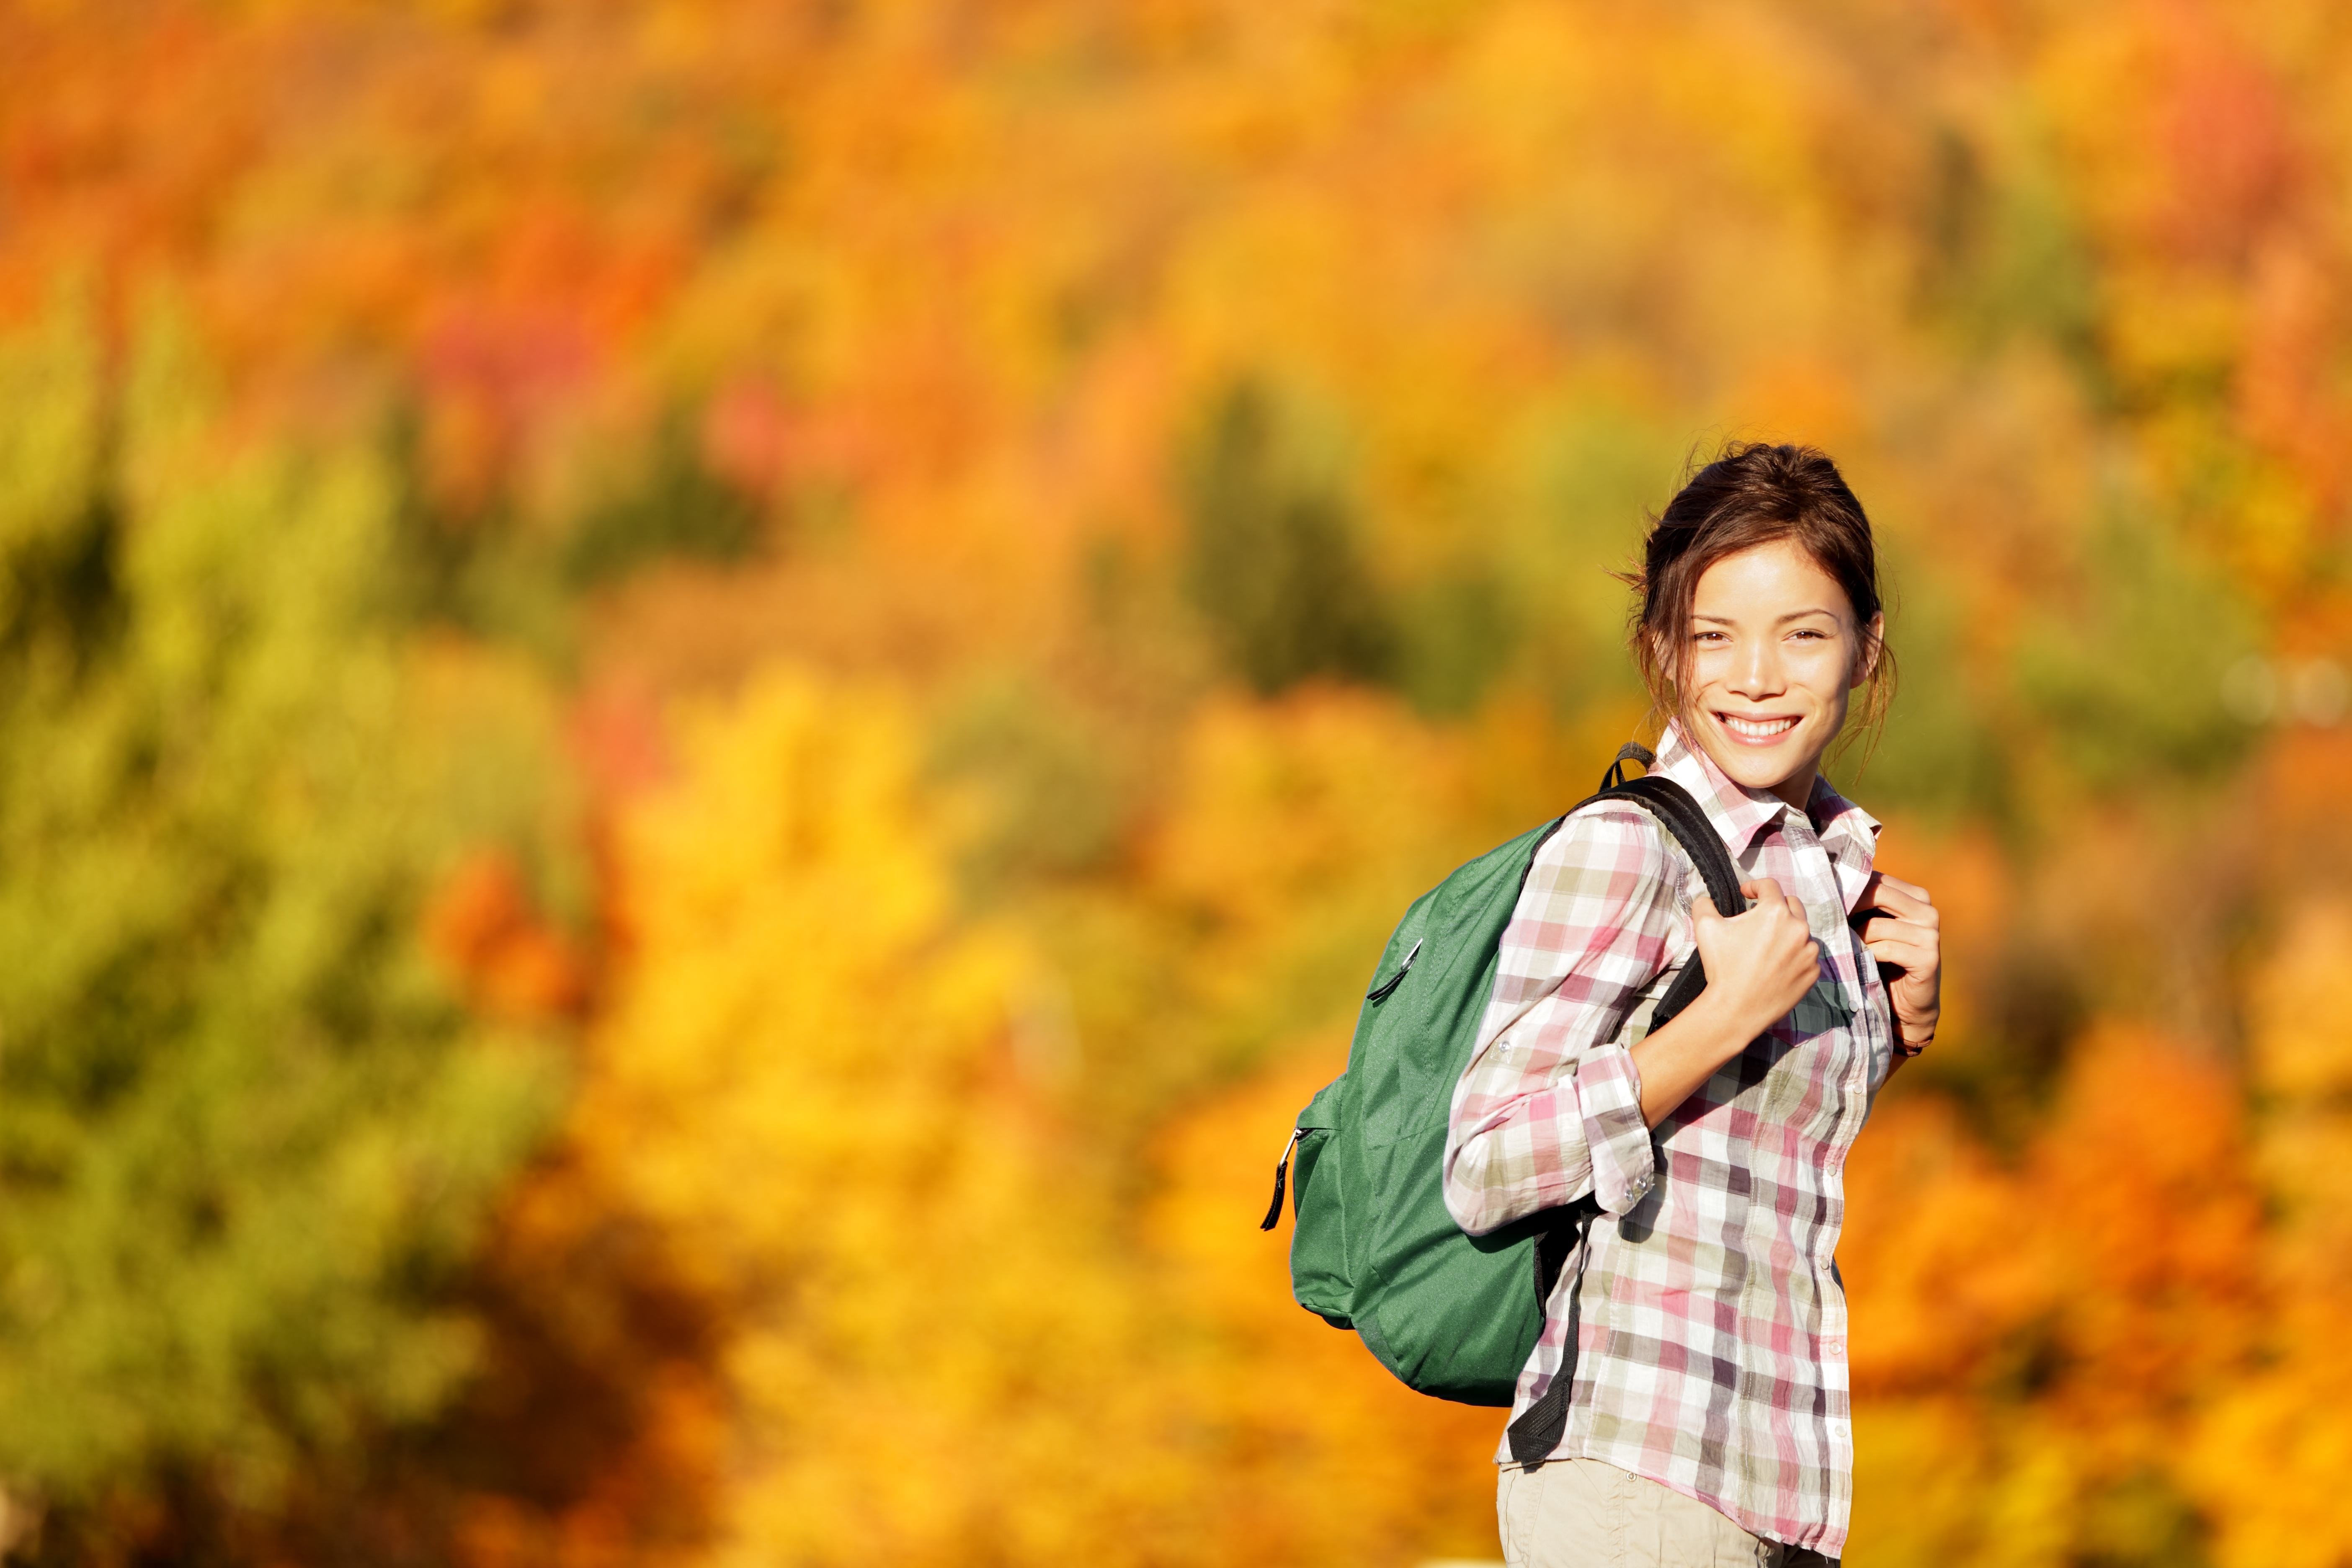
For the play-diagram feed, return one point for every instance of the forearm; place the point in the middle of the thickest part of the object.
(1510, 1155)
(1674, 1060)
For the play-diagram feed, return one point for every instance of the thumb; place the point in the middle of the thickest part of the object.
(1703, 910)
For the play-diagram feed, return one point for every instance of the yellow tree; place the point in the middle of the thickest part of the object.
(812, 1078)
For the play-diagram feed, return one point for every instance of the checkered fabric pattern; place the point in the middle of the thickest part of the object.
(1710, 1321)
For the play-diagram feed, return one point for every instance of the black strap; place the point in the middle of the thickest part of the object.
(1557, 1240)
(1683, 817)
(1631, 752)
(1542, 1425)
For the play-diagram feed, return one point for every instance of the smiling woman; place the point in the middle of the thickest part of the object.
(1686, 1402)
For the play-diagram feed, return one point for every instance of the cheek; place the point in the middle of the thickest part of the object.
(1828, 671)
(1707, 663)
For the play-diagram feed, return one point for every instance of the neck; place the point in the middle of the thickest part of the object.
(1797, 789)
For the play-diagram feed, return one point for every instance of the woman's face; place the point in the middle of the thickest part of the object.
(1773, 652)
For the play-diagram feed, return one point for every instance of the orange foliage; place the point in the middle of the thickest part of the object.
(2273, 1450)
(943, 1173)
(1323, 1455)
(2143, 1183)
(1935, 1274)
(2051, 1335)
(610, 1423)
(507, 962)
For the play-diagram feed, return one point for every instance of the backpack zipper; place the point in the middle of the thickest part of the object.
(1381, 993)
(1281, 1174)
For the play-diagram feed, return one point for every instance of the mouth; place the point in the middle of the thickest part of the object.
(1758, 732)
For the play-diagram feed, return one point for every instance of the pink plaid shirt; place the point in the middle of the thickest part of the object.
(1711, 1324)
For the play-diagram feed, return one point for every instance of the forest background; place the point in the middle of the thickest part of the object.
(712, 709)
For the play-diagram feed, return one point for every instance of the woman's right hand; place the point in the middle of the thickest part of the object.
(1759, 963)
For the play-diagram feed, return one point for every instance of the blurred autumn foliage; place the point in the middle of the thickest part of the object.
(710, 709)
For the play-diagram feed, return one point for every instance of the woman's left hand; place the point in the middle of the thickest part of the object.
(1899, 926)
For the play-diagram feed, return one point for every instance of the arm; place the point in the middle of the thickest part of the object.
(1551, 1106)
(1548, 1109)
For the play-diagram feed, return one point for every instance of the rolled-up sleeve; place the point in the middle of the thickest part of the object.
(1549, 1108)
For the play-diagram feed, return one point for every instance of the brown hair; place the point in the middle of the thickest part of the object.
(1753, 494)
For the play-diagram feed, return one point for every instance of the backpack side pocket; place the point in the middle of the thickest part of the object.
(1319, 1276)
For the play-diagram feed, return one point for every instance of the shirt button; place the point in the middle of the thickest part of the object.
(1833, 1347)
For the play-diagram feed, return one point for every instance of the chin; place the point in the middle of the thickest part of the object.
(1764, 768)
(1755, 772)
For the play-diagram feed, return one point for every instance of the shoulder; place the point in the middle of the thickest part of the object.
(1605, 878)
(1607, 848)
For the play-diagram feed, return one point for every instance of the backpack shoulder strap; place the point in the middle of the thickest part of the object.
(1685, 818)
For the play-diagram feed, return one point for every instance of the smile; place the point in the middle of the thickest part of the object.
(1756, 729)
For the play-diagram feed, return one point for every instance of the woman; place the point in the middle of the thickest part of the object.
(1701, 1336)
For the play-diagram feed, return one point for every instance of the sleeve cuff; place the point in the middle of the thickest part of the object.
(1609, 1099)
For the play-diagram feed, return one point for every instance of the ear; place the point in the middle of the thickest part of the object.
(1872, 643)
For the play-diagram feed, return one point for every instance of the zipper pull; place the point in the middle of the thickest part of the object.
(1379, 993)
(1281, 1179)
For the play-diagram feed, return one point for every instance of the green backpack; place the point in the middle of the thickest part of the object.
(1375, 1249)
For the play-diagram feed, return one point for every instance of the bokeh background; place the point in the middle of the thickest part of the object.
(708, 709)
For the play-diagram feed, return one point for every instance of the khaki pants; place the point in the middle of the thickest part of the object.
(1581, 1513)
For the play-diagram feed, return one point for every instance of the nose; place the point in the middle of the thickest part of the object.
(1756, 671)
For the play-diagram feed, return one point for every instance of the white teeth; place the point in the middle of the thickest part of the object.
(1758, 729)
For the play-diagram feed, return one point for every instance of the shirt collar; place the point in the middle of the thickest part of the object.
(1850, 834)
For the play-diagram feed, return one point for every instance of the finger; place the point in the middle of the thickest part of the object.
(1910, 955)
(1897, 898)
(1878, 927)
(1763, 889)
(1796, 907)
(1908, 889)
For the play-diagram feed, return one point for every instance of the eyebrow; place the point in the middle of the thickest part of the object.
(1791, 616)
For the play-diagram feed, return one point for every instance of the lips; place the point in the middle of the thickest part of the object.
(1757, 729)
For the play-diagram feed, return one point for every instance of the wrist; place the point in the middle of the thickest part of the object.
(1726, 1023)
